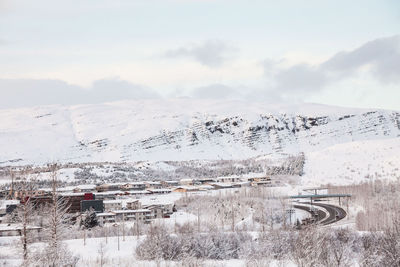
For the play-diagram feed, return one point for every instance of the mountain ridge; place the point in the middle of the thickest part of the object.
(182, 129)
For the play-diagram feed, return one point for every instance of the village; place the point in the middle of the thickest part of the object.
(121, 202)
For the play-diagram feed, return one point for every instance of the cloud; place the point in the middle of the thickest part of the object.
(380, 58)
(215, 91)
(381, 55)
(32, 92)
(301, 77)
(212, 53)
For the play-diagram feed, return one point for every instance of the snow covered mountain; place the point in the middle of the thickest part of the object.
(182, 129)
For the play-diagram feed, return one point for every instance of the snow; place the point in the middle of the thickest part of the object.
(160, 130)
(353, 162)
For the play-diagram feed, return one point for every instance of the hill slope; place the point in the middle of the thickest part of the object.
(182, 129)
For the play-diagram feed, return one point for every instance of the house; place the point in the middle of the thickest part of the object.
(261, 181)
(139, 193)
(186, 181)
(160, 210)
(221, 185)
(133, 204)
(157, 211)
(153, 185)
(142, 215)
(160, 191)
(228, 179)
(110, 194)
(8, 206)
(16, 230)
(184, 189)
(84, 188)
(133, 186)
(204, 180)
(19, 194)
(105, 217)
(170, 183)
(205, 187)
(112, 205)
(241, 184)
(109, 187)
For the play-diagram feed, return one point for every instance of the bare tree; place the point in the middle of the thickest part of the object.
(102, 250)
(25, 213)
(56, 253)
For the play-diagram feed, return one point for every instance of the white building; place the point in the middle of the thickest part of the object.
(105, 217)
(142, 215)
(112, 205)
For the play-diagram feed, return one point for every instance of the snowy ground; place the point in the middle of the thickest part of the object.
(89, 255)
(353, 162)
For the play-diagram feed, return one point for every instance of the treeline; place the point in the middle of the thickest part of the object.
(310, 247)
(379, 203)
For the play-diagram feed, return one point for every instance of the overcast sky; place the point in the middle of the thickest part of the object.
(89, 51)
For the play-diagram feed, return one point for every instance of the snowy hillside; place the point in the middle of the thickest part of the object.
(182, 129)
(353, 162)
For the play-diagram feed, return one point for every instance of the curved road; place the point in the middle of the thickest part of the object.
(335, 213)
(320, 213)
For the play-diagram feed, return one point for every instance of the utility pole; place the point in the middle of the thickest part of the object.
(118, 235)
(12, 184)
(123, 226)
(84, 237)
(233, 217)
(137, 226)
(198, 220)
(106, 234)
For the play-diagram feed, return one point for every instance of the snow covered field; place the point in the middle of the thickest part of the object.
(354, 162)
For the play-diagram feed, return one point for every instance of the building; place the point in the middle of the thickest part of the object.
(228, 179)
(153, 185)
(139, 193)
(112, 205)
(261, 181)
(137, 186)
(109, 195)
(186, 181)
(160, 191)
(204, 180)
(85, 188)
(221, 185)
(73, 201)
(96, 205)
(16, 230)
(170, 183)
(133, 204)
(157, 211)
(105, 217)
(109, 187)
(141, 215)
(205, 187)
(8, 206)
(184, 189)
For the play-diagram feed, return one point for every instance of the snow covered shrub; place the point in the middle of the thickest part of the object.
(217, 245)
(306, 247)
(340, 247)
(158, 245)
(49, 256)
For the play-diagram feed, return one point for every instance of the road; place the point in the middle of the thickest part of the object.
(321, 213)
(335, 213)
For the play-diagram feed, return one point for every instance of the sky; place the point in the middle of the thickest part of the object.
(344, 53)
